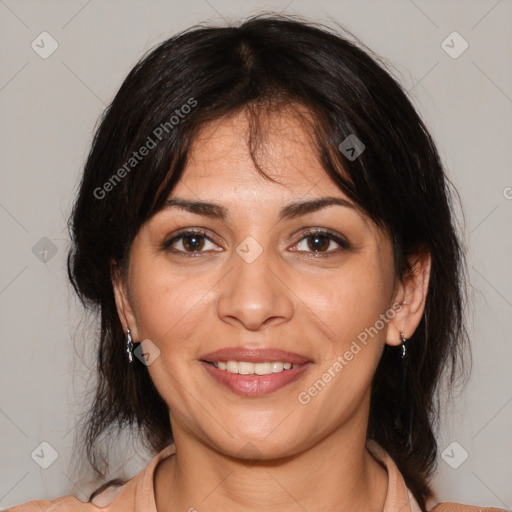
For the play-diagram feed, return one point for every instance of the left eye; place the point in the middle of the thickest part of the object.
(320, 242)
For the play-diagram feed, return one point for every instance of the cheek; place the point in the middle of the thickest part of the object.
(357, 306)
(349, 301)
(170, 311)
(340, 386)
(167, 303)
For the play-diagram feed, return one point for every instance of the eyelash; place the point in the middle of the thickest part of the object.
(344, 245)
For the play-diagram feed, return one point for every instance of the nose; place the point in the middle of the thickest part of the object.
(254, 293)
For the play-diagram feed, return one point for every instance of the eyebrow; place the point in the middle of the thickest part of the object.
(292, 210)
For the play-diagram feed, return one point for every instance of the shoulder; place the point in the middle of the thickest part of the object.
(458, 507)
(136, 494)
(63, 504)
(113, 499)
(103, 501)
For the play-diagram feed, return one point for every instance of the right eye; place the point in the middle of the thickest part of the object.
(190, 243)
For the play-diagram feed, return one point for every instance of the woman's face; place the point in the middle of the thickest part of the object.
(254, 282)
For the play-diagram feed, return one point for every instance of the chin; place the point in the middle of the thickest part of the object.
(260, 446)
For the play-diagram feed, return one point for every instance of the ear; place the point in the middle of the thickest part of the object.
(124, 308)
(411, 295)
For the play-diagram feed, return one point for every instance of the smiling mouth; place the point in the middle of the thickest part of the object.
(254, 372)
(248, 368)
(257, 379)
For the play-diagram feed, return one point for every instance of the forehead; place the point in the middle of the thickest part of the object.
(279, 141)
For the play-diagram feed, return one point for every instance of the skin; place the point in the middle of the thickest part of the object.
(288, 298)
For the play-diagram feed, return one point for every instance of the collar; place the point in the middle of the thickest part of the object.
(139, 491)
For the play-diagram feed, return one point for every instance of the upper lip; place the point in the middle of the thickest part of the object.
(254, 355)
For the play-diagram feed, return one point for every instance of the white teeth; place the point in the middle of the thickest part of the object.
(232, 367)
(262, 368)
(246, 368)
(277, 367)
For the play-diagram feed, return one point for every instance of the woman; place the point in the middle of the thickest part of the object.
(264, 225)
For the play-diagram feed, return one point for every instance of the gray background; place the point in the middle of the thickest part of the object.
(49, 108)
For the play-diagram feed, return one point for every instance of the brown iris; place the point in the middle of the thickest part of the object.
(193, 242)
(317, 242)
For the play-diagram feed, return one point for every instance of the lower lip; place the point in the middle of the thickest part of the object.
(255, 385)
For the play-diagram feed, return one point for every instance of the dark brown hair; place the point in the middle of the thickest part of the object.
(271, 60)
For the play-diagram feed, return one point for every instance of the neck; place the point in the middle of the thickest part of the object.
(338, 473)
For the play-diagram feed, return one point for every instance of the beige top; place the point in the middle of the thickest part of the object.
(137, 495)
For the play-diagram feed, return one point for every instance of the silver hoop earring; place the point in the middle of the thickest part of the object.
(404, 342)
(129, 346)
